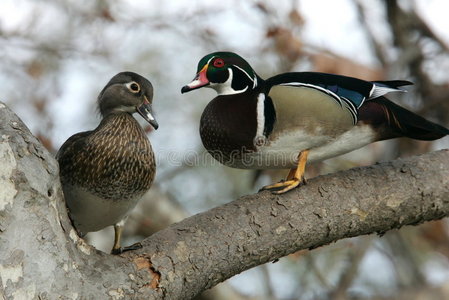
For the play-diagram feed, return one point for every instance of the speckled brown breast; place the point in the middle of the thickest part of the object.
(228, 126)
(115, 161)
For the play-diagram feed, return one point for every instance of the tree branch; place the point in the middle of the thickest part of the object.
(217, 244)
(188, 257)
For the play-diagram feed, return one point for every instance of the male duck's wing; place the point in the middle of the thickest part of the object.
(347, 91)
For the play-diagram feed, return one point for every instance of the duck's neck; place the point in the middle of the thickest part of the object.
(121, 124)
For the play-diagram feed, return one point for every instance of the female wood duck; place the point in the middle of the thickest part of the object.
(105, 172)
(294, 118)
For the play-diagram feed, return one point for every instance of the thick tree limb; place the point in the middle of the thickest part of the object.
(41, 256)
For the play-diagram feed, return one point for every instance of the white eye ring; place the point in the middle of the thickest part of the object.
(133, 87)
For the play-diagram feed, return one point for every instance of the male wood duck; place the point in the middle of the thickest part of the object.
(291, 119)
(105, 171)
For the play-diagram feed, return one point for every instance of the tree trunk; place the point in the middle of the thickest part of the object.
(41, 256)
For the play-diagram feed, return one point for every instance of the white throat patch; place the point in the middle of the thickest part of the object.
(225, 88)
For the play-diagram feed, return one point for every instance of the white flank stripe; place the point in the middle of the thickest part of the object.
(260, 114)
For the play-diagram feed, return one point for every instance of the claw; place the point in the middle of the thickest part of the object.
(294, 179)
(117, 249)
(290, 185)
(275, 186)
(284, 185)
(120, 250)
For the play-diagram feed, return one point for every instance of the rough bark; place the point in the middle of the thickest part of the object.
(42, 258)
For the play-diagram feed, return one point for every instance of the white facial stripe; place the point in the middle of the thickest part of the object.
(260, 114)
(225, 88)
(250, 78)
(210, 60)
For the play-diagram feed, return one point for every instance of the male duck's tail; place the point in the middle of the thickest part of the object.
(392, 120)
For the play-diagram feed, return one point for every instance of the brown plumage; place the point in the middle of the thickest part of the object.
(109, 159)
(105, 172)
(227, 127)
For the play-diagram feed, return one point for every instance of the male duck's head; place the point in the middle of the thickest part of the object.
(225, 72)
(128, 92)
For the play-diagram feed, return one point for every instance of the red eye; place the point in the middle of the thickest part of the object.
(218, 63)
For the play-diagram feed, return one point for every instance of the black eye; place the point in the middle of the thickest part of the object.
(134, 87)
(219, 63)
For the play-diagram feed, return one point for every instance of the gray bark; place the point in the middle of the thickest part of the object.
(42, 258)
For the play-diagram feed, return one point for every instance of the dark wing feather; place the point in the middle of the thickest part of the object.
(70, 151)
(392, 120)
(393, 83)
(71, 142)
